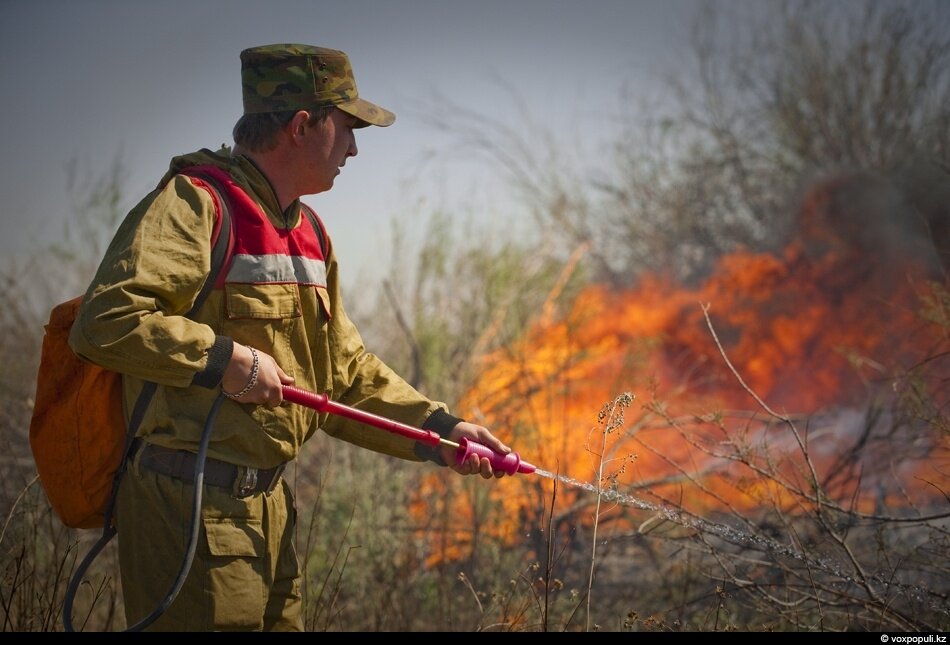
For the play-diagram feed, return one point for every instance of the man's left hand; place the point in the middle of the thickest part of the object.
(474, 464)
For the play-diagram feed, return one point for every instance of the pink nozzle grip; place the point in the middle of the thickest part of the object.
(510, 463)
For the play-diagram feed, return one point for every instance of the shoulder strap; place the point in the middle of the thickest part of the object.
(318, 227)
(221, 241)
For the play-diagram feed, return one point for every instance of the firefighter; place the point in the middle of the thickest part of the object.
(276, 318)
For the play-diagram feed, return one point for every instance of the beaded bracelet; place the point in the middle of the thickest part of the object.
(252, 381)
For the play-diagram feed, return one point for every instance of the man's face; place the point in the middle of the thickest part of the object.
(327, 147)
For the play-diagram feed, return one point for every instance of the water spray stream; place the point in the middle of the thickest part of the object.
(735, 536)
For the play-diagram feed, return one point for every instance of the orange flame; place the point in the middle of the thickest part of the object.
(812, 332)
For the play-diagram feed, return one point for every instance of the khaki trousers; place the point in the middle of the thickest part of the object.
(245, 575)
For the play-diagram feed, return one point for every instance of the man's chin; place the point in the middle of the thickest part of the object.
(321, 188)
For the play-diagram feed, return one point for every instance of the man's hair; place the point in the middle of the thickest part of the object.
(258, 132)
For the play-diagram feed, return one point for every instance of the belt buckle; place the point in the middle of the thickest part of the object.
(248, 482)
(245, 485)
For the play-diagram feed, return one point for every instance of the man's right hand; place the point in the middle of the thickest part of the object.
(268, 388)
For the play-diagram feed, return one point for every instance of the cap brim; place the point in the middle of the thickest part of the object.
(368, 113)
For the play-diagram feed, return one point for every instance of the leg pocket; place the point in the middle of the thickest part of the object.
(235, 565)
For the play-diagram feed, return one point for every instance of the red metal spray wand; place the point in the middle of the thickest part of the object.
(510, 463)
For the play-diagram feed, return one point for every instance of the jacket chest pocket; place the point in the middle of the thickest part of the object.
(262, 316)
(261, 301)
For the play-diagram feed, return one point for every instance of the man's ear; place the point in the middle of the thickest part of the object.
(298, 125)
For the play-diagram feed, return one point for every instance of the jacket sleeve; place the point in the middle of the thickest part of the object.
(133, 317)
(363, 381)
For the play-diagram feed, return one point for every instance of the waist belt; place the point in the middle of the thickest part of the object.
(244, 481)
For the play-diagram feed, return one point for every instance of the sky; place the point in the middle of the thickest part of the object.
(88, 83)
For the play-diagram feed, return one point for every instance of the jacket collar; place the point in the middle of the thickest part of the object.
(257, 182)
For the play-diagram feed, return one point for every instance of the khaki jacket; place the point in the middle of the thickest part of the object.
(133, 321)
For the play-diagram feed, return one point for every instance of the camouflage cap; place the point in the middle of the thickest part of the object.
(300, 77)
